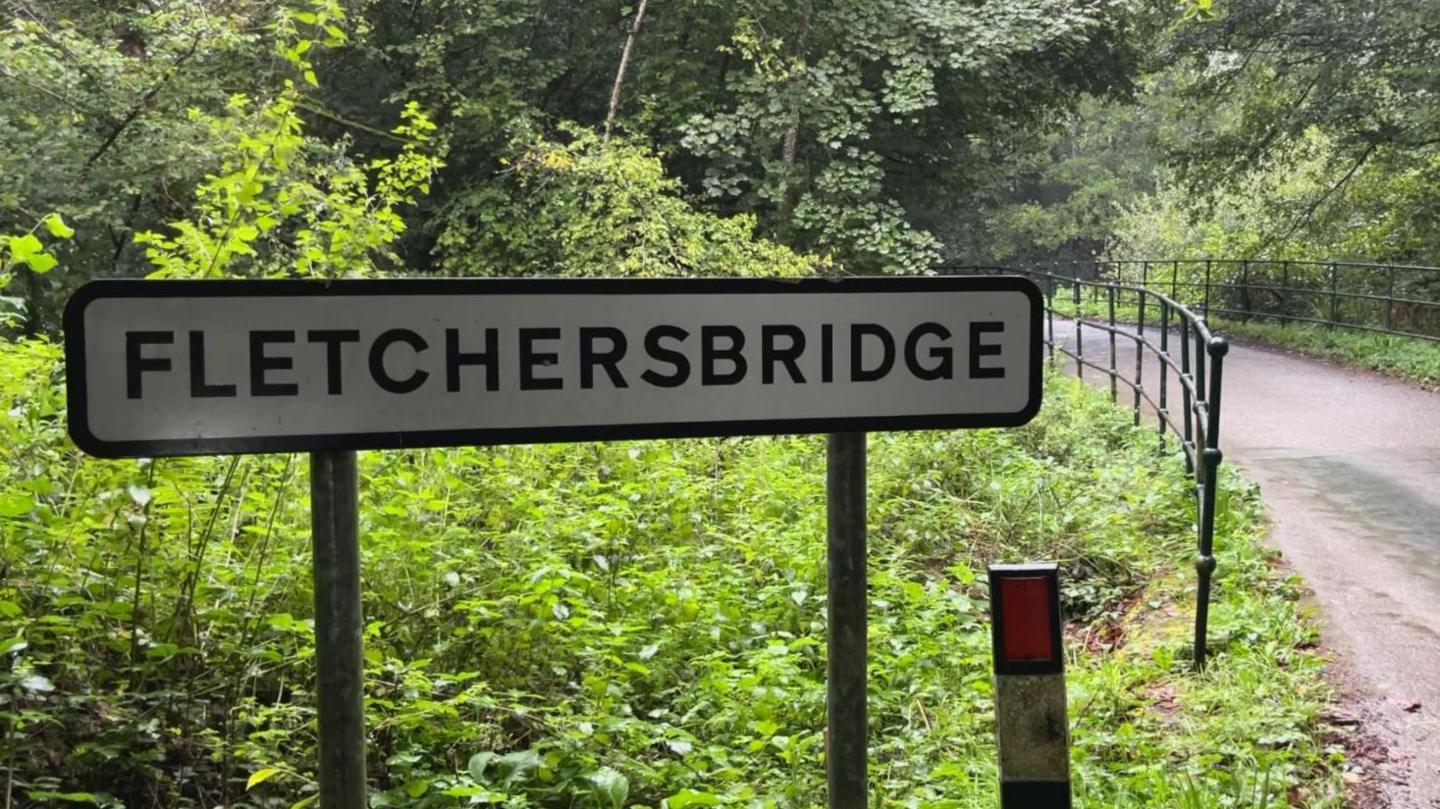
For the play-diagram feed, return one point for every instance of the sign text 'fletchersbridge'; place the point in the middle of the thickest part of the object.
(161, 368)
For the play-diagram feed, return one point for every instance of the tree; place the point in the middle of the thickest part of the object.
(95, 125)
(837, 125)
(1262, 75)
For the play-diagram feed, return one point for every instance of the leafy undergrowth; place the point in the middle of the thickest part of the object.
(1410, 358)
(1407, 357)
(637, 624)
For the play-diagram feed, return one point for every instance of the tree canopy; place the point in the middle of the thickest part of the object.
(478, 136)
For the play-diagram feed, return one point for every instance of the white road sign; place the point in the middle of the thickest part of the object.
(209, 367)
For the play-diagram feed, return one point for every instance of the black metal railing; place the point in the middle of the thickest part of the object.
(1395, 299)
(1194, 377)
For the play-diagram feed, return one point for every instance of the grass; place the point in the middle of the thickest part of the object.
(1406, 357)
(1409, 358)
(636, 624)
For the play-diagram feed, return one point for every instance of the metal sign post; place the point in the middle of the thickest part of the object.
(157, 368)
(846, 759)
(339, 660)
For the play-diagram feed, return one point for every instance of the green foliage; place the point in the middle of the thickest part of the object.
(625, 624)
(1407, 357)
(94, 125)
(26, 253)
(1255, 213)
(884, 109)
(1298, 130)
(311, 208)
(308, 217)
(1072, 192)
(589, 208)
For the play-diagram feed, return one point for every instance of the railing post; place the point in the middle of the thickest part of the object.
(1186, 381)
(1175, 280)
(1165, 368)
(1284, 292)
(1114, 385)
(1079, 338)
(1207, 288)
(1390, 302)
(1200, 377)
(1205, 560)
(1050, 312)
(1334, 294)
(1245, 301)
(1140, 357)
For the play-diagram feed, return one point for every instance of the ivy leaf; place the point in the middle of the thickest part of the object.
(57, 227)
(259, 777)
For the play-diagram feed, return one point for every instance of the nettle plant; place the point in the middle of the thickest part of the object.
(285, 204)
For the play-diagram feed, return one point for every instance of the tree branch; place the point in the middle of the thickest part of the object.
(624, 63)
(144, 102)
(1325, 197)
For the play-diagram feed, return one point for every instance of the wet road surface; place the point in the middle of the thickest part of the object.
(1349, 465)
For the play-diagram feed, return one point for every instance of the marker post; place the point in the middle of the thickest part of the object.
(1033, 731)
(339, 645)
(846, 605)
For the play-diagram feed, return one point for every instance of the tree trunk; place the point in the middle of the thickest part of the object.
(624, 63)
(791, 143)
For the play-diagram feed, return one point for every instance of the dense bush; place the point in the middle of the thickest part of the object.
(629, 623)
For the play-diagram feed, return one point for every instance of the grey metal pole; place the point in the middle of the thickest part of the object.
(339, 662)
(846, 680)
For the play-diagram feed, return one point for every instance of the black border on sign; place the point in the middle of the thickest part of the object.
(1050, 572)
(74, 322)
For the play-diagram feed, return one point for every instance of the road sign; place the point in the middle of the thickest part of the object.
(207, 367)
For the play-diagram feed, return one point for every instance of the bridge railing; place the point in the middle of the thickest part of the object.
(1182, 394)
(1396, 299)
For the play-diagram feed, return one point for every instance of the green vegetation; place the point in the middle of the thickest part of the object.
(505, 136)
(1264, 129)
(629, 624)
(1408, 357)
(642, 624)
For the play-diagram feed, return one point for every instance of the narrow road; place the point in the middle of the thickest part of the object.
(1348, 463)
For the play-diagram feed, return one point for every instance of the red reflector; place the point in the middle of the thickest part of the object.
(1025, 632)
